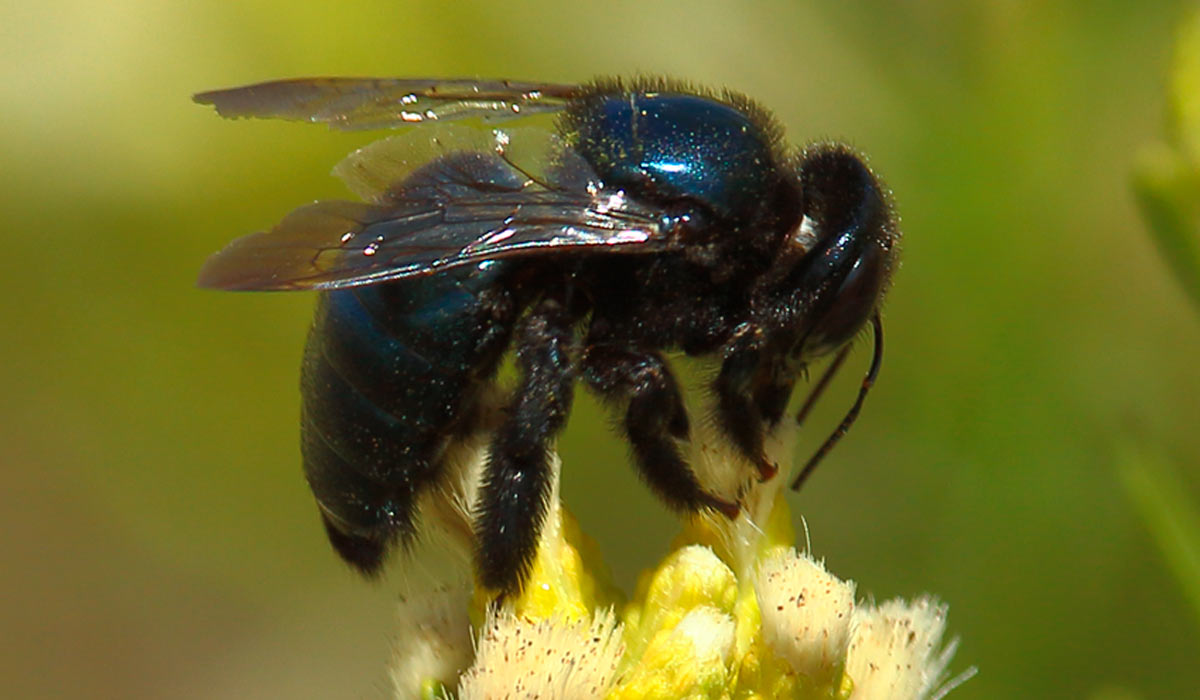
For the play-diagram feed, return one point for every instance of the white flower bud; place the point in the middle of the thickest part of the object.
(806, 614)
(896, 651)
(549, 659)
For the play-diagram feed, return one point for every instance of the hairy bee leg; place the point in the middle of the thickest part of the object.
(772, 396)
(517, 479)
(738, 411)
(655, 416)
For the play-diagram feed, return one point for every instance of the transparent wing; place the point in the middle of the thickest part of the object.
(462, 208)
(373, 171)
(373, 103)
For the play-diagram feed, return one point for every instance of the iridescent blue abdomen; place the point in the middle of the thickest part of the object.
(391, 372)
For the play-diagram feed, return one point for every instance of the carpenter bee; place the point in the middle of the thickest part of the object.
(653, 217)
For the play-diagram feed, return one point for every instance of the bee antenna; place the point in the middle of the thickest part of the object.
(852, 414)
(824, 382)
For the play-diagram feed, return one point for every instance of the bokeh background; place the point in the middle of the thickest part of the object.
(156, 535)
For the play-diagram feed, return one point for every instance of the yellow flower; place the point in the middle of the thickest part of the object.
(733, 611)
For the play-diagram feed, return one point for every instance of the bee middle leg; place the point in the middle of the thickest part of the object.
(655, 417)
(513, 497)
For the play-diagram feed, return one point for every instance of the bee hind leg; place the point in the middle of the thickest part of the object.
(516, 484)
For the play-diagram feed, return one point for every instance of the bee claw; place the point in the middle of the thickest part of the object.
(766, 469)
(729, 509)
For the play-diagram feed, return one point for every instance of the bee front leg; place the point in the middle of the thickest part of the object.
(654, 418)
(741, 391)
(513, 497)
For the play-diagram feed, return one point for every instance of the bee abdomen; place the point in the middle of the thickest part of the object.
(390, 374)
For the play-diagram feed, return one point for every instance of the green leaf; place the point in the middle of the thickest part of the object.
(1168, 189)
(1166, 179)
(1173, 520)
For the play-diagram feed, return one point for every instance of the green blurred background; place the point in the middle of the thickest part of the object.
(156, 535)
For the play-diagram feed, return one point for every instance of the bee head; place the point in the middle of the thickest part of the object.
(846, 241)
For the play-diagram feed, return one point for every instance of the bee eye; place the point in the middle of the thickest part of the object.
(850, 305)
(846, 272)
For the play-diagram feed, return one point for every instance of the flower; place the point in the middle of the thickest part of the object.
(733, 611)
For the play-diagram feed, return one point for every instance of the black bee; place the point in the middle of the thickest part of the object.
(654, 217)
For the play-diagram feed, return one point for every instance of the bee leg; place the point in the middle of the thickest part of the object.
(517, 479)
(655, 416)
(772, 395)
(741, 398)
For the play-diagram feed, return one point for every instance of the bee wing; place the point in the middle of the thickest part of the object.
(373, 171)
(373, 103)
(463, 208)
